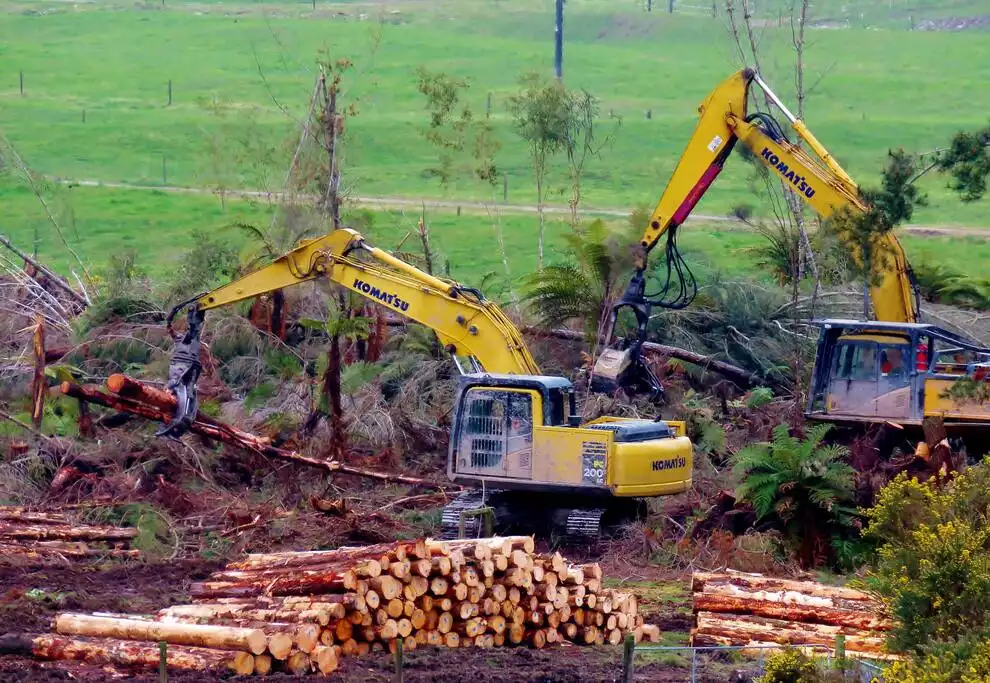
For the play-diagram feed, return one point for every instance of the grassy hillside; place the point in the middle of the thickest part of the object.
(112, 62)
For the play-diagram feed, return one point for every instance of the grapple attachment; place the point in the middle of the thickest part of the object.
(183, 373)
(623, 368)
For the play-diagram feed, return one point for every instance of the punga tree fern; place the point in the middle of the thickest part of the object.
(584, 287)
(803, 483)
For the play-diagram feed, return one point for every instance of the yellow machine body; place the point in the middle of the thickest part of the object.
(522, 433)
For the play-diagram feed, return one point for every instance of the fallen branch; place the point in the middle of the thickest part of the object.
(744, 378)
(245, 440)
(62, 284)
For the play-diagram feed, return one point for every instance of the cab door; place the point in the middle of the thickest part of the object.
(853, 382)
(495, 437)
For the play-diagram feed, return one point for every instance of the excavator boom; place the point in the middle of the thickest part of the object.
(816, 178)
(472, 329)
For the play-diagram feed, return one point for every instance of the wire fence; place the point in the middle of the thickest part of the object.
(716, 663)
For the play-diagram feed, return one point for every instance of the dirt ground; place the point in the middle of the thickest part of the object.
(29, 598)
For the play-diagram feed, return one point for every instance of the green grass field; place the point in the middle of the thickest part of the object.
(884, 86)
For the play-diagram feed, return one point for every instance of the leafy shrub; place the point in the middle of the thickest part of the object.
(933, 563)
(759, 397)
(208, 263)
(962, 663)
(790, 666)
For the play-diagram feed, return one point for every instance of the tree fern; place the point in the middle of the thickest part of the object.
(803, 485)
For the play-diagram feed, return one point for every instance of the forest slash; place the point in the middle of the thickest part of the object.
(301, 612)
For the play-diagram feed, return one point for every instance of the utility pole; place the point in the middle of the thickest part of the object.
(558, 45)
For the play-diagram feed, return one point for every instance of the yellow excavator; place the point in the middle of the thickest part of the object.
(517, 437)
(893, 369)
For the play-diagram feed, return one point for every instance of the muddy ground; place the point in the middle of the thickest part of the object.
(29, 598)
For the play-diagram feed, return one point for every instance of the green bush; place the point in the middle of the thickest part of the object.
(802, 484)
(961, 663)
(790, 666)
(933, 560)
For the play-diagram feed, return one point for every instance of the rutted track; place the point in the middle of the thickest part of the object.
(475, 207)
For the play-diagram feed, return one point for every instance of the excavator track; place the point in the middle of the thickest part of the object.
(450, 522)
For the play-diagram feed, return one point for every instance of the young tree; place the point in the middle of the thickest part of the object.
(583, 142)
(542, 113)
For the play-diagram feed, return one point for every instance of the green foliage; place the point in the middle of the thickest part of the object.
(962, 662)
(759, 397)
(118, 297)
(454, 131)
(584, 287)
(967, 161)
(258, 396)
(933, 563)
(967, 390)
(790, 666)
(942, 283)
(155, 536)
(887, 207)
(802, 483)
(541, 112)
(712, 438)
(209, 262)
(282, 364)
(356, 376)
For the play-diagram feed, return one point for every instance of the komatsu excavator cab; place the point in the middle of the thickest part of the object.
(896, 372)
(518, 441)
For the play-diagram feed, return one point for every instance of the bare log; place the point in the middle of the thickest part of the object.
(793, 607)
(66, 533)
(740, 376)
(218, 637)
(110, 652)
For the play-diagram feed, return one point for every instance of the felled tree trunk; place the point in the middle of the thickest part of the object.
(128, 654)
(216, 430)
(217, 637)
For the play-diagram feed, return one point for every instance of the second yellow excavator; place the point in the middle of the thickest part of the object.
(890, 369)
(516, 438)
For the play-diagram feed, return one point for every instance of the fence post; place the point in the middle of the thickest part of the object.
(627, 658)
(170, 92)
(694, 665)
(488, 107)
(505, 187)
(164, 170)
(162, 662)
(22, 82)
(398, 660)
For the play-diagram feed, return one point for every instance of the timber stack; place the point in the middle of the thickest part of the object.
(741, 609)
(47, 536)
(300, 612)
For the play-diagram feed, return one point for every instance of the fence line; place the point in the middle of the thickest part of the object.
(865, 671)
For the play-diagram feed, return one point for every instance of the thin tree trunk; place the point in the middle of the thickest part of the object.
(539, 210)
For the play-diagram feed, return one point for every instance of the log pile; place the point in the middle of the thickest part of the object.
(300, 612)
(42, 537)
(752, 609)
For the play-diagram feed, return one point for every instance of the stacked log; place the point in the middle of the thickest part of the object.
(742, 609)
(301, 612)
(40, 536)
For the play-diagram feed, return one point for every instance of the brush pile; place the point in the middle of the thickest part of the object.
(300, 612)
(741, 609)
(43, 537)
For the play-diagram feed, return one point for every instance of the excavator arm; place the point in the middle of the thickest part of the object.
(816, 178)
(469, 326)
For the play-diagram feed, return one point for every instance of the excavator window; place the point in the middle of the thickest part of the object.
(856, 361)
(558, 408)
